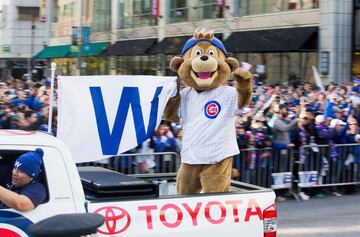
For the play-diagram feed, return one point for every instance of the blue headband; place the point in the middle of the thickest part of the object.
(214, 41)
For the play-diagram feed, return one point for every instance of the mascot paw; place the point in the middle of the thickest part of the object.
(235, 173)
(243, 77)
(173, 118)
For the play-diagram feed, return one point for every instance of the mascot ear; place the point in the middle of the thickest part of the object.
(233, 63)
(176, 63)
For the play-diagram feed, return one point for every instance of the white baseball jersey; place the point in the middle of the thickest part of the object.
(208, 125)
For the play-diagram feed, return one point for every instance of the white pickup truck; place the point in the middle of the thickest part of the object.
(132, 206)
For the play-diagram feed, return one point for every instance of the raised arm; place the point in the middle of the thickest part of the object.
(244, 86)
(15, 201)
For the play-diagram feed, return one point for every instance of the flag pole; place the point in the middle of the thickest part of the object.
(53, 69)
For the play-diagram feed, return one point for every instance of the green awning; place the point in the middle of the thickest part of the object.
(92, 49)
(59, 51)
(69, 51)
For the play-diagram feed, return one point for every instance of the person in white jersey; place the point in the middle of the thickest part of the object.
(207, 109)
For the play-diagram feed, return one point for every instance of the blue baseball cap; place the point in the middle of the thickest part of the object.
(214, 41)
(30, 162)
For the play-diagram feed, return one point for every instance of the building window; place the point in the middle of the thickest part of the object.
(101, 16)
(28, 13)
(142, 14)
(55, 9)
(136, 14)
(3, 14)
(253, 7)
(68, 9)
(300, 4)
(179, 12)
(65, 17)
(209, 9)
(273, 6)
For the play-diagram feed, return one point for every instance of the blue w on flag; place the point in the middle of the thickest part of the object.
(103, 116)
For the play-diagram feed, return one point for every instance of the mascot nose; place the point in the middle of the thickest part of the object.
(204, 58)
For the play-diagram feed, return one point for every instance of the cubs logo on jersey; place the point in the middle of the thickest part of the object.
(212, 109)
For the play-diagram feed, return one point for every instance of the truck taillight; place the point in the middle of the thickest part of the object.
(270, 223)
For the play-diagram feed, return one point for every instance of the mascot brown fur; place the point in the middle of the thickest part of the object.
(207, 109)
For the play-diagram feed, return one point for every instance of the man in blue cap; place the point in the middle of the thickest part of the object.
(24, 193)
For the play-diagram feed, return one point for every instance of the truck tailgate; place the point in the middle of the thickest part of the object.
(209, 215)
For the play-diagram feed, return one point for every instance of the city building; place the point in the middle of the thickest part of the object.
(282, 39)
(356, 46)
(24, 31)
(69, 29)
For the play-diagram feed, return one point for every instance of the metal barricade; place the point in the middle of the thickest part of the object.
(165, 162)
(329, 165)
(265, 167)
(315, 166)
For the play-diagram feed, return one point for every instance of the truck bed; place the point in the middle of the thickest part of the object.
(101, 184)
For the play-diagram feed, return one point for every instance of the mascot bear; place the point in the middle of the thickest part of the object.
(207, 110)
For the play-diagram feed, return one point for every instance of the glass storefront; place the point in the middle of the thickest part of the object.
(136, 65)
(89, 66)
(276, 68)
(65, 66)
(273, 68)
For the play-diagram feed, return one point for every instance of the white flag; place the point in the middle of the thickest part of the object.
(103, 116)
(317, 79)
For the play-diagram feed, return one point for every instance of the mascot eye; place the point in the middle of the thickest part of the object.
(211, 52)
(198, 52)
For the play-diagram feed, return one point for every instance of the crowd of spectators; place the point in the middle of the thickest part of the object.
(24, 104)
(287, 116)
(279, 117)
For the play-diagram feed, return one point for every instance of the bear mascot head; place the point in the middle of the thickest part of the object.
(204, 65)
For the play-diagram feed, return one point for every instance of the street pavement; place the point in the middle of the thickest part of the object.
(329, 216)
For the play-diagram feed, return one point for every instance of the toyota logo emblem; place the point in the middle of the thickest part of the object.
(117, 220)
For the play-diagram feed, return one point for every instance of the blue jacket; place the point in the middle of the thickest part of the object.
(338, 137)
(328, 111)
(323, 134)
(350, 138)
(168, 145)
